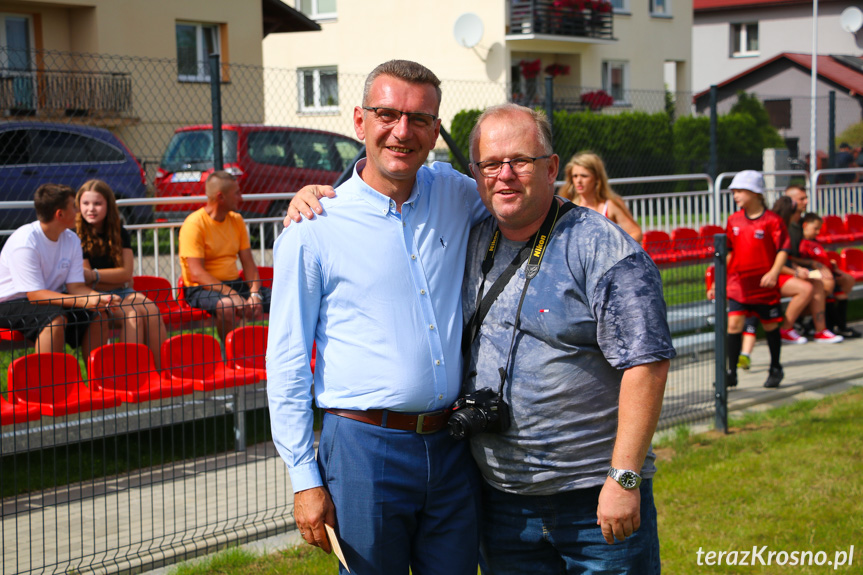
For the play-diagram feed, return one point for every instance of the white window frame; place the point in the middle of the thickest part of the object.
(621, 6)
(203, 74)
(665, 12)
(607, 66)
(317, 107)
(740, 50)
(315, 13)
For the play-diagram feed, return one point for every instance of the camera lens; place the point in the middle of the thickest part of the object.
(466, 422)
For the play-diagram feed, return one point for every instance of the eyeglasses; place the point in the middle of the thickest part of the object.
(391, 117)
(519, 166)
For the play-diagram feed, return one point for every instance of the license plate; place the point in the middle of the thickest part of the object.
(179, 177)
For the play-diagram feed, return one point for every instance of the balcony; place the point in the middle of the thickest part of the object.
(589, 21)
(68, 93)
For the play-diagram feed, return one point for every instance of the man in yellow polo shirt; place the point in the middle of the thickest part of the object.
(211, 240)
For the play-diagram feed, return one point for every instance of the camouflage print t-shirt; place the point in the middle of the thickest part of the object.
(595, 309)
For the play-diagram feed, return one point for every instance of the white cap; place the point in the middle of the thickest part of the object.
(748, 180)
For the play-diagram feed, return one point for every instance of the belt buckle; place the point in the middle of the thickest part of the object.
(421, 419)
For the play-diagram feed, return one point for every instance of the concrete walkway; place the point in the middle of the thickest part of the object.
(176, 512)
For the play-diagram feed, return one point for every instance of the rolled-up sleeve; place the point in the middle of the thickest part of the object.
(294, 312)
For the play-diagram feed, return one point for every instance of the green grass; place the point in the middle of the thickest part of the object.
(304, 560)
(786, 479)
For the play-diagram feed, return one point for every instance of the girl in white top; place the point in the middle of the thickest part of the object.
(587, 185)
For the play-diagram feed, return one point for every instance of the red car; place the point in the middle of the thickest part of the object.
(265, 159)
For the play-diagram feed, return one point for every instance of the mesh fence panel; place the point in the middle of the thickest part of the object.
(162, 476)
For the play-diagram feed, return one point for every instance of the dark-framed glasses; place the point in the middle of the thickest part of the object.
(519, 166)
(391, 117)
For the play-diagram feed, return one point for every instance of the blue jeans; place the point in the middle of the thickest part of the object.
(558, 534)
(402, 499)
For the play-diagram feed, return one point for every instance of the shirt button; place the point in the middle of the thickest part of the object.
(440, 396)
(422, 292)
(437, 362)
(404, 224)
(431, 326)
(413, 256)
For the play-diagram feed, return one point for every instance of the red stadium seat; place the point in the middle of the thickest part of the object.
(852, 262)
(854, 225)
(128, 370)
(246, 348)
(12, 339)
(53, 382)
(197, 358)
(688, 244)
(706, 234)
(833, 231)
(17, 412)
(266, 275)
(159, 290)
(658, 245)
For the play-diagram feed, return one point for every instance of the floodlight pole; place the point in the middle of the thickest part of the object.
(813, 123)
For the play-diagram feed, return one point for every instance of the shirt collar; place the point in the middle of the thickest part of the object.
(379, 202)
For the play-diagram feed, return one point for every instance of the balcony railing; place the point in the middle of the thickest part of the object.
(69, 92)
(567, 18)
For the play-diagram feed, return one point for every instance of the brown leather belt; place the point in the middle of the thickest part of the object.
(419, 422)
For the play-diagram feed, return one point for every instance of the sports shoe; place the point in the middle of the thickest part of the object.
(730, 379)
(774, 377)
(791, 337)
(744, 361)
(827, 336)
(848, 333)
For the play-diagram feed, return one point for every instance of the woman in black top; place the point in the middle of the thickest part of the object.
(108, 264)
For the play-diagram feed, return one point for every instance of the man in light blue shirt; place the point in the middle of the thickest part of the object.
(375, 281)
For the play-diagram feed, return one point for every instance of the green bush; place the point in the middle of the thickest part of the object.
(462, 124)
(853, 135)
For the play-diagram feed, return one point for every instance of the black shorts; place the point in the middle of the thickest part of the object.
(208, 300)
(750, 326)
(31, 318)
(766, 312)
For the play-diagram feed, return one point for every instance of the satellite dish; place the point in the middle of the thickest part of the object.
(468, 30)
(851, 19)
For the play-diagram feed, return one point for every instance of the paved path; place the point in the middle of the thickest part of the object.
(140, 520)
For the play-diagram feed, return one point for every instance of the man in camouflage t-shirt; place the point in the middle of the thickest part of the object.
(569, 482)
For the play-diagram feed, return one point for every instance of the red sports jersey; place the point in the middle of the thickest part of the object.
(754, 245)
(812, 250)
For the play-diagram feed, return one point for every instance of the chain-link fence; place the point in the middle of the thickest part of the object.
(152, 477)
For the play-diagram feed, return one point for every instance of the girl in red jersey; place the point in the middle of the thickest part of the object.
(758, 249)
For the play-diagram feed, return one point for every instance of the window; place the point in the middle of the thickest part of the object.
(319, 90)
(744, 39)
(317, 9)
(16, 61)
(615, 80)
(660, 7)
(779, 112)
(195, 43)
(620, 5)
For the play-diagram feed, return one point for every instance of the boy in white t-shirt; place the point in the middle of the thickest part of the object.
(41, 266)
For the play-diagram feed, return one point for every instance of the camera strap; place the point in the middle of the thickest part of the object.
(534, 249)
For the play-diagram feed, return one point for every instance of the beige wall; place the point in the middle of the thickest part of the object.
(142, 36)
(365, 34)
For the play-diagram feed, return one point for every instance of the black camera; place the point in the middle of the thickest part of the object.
(477, 412)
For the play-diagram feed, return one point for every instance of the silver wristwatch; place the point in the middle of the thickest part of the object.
(627, 478)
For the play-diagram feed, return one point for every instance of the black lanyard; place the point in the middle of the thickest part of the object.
(533, 250)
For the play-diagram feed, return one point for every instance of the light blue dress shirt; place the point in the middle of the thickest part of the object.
(380, 293)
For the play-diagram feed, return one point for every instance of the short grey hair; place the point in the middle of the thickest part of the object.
(404, 70)
(540, 120)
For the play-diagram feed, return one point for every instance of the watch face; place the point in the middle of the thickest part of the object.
(628, 480)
